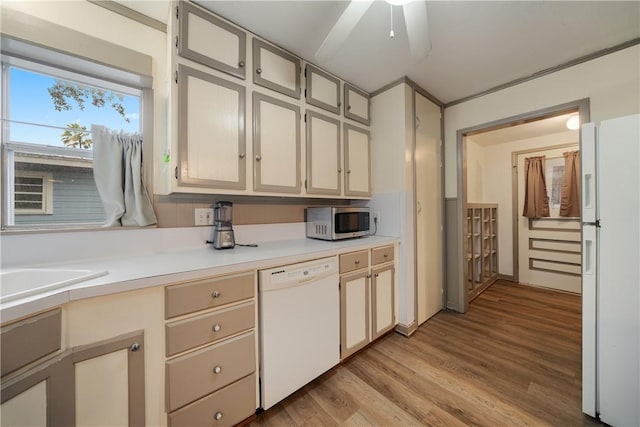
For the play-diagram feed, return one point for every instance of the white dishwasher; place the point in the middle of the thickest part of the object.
(299, 308)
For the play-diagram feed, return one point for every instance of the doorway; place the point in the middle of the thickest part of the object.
(484, 167)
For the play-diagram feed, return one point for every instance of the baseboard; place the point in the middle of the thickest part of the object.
(406, 330)
(505, 277)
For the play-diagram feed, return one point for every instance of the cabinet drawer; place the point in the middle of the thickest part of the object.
(30, 339)
(225, 407)
(208, 293)
(380, 255)
(185, 334)
(354, 261)
(201, 372)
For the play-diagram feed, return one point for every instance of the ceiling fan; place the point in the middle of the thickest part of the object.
(415, 18)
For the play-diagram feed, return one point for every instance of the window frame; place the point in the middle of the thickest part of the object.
(61, 65)
(47, 193)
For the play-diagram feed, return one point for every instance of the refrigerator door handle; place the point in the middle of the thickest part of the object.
(589, 257)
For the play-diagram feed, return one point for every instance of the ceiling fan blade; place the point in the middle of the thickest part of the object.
(342, 28)
(415, 19)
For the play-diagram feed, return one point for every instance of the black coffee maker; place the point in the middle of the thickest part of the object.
(223, 232)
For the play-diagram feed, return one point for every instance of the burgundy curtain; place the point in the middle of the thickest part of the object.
(536, 199)
(570, 196)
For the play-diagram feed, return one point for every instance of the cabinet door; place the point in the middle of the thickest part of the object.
(322, 89)
(323, 154)
(210, 41)
(109, 382)
(354, 312)
(357, 161)
(41, 396)
(276, 145)
(382, 302)
(356, 104)
(275, 69)
(211, 138)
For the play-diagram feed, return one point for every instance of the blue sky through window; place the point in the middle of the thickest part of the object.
(29, 101)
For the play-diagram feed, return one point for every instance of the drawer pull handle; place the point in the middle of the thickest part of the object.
(216, 328)
(357, 261)
(386, 255)
(218, 416)
(215, 294)
(217, 370)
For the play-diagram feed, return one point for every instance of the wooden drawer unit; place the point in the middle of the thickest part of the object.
(203, 294)
(28, 340)
(354, 261)
(225, 407)
(381, 255)
(201, 372)
(198, 330)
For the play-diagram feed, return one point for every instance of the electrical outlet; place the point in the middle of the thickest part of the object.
(204, 216)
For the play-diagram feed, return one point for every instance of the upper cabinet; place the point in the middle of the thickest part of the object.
(210, 41)
(211, 131)
(356, 104)
(276, 69)
(323, 154)
(322, 89)
(276, 145)
(357, 161)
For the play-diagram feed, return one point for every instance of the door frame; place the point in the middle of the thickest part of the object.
(580, 105)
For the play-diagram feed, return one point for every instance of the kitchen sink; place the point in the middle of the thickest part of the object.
(21, 283)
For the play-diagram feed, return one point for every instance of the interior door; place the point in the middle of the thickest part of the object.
(549, 249)
(429, 208)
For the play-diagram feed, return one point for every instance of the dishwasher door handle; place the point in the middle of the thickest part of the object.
(271, 287)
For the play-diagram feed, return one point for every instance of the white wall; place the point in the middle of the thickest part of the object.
(497, 185)
(612, 83)
(475, 172)
(391, 154)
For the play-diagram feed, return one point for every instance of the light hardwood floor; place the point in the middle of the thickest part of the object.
(512, 360)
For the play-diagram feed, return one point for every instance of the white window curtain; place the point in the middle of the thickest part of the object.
(117, 170)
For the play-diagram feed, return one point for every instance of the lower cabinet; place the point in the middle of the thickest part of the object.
(96, 375)
(211, 366)
(367, 302)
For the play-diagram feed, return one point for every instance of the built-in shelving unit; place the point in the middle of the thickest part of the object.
(481, 247)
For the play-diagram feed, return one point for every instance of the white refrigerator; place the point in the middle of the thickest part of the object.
(611, 270)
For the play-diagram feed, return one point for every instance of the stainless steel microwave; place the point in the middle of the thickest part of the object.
(335, 223)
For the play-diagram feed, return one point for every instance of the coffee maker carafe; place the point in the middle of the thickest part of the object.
(223, 232)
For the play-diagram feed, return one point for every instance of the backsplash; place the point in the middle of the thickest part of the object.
(179, 210)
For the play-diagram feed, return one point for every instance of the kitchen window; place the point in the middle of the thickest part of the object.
(47, 158)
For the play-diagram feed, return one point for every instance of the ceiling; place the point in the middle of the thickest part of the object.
(476, 45)
(538, 128)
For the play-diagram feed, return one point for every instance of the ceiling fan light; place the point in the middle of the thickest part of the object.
(573, 123)
(398, 2)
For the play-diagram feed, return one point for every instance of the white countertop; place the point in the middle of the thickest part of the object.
(162, 267)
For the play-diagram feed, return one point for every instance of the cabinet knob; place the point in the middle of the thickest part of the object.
(217, 416)
(259, 71)
(241, 64)
(349, 171)
(368, 276)
(376, 275)
(340, 170)
(241, 155)
(339, 104)
(258, 158)
(215, 294)
(348, 107)
(217, 370)
(357, 261)
(385, 255)
(216, 328)
(134, 347)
